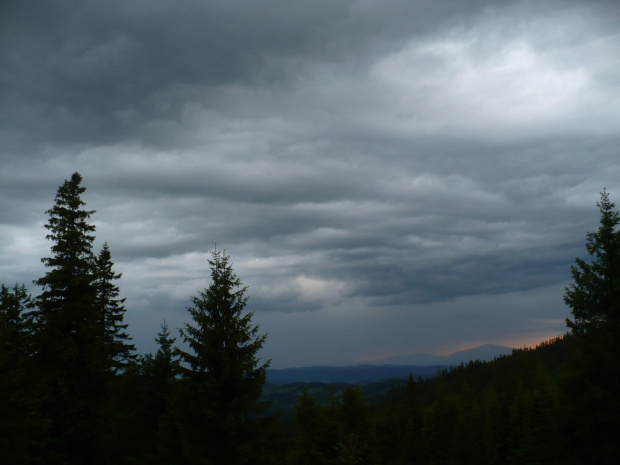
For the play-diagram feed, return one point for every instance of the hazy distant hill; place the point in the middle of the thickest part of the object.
(484, 353)
(419, 365)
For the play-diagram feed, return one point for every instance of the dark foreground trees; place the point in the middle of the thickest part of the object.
(594, 295)
(69, 338)
(594, 299)
(78, 335)
(222, 377)
(111, 311)
(21, 428)
(71, 391)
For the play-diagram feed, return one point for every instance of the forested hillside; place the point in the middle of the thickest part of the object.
(506, 411)
(74, 391)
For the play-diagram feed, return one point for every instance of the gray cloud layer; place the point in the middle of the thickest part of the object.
(370, 166)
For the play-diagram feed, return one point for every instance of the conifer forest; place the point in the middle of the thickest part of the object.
(74, 390)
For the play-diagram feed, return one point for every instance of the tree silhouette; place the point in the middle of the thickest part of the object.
(70, 350)
(111, 311)
(594, 299)
(222, 377)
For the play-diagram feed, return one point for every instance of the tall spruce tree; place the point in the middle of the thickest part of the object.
(69, 339)
(222, 377)
(111, 311)
(594, 299)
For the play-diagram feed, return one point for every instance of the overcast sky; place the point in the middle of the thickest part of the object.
(388, 177)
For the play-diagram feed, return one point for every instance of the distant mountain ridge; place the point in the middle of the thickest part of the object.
(484, 353)
(419, 365)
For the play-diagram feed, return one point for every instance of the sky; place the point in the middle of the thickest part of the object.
(388, 177)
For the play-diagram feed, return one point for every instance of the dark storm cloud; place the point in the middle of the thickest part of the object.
(92, 73)
(399, 163)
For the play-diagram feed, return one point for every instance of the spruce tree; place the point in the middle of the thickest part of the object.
(165, 366)
(162, 371)
(594, 299)
(222, 377)
(15, 326)
(594, 295)
(21, 428)
(144, 431)
(111, 311)
(159, 372)
(70, 349)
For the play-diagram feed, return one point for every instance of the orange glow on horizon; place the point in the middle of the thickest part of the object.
(515, 343)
